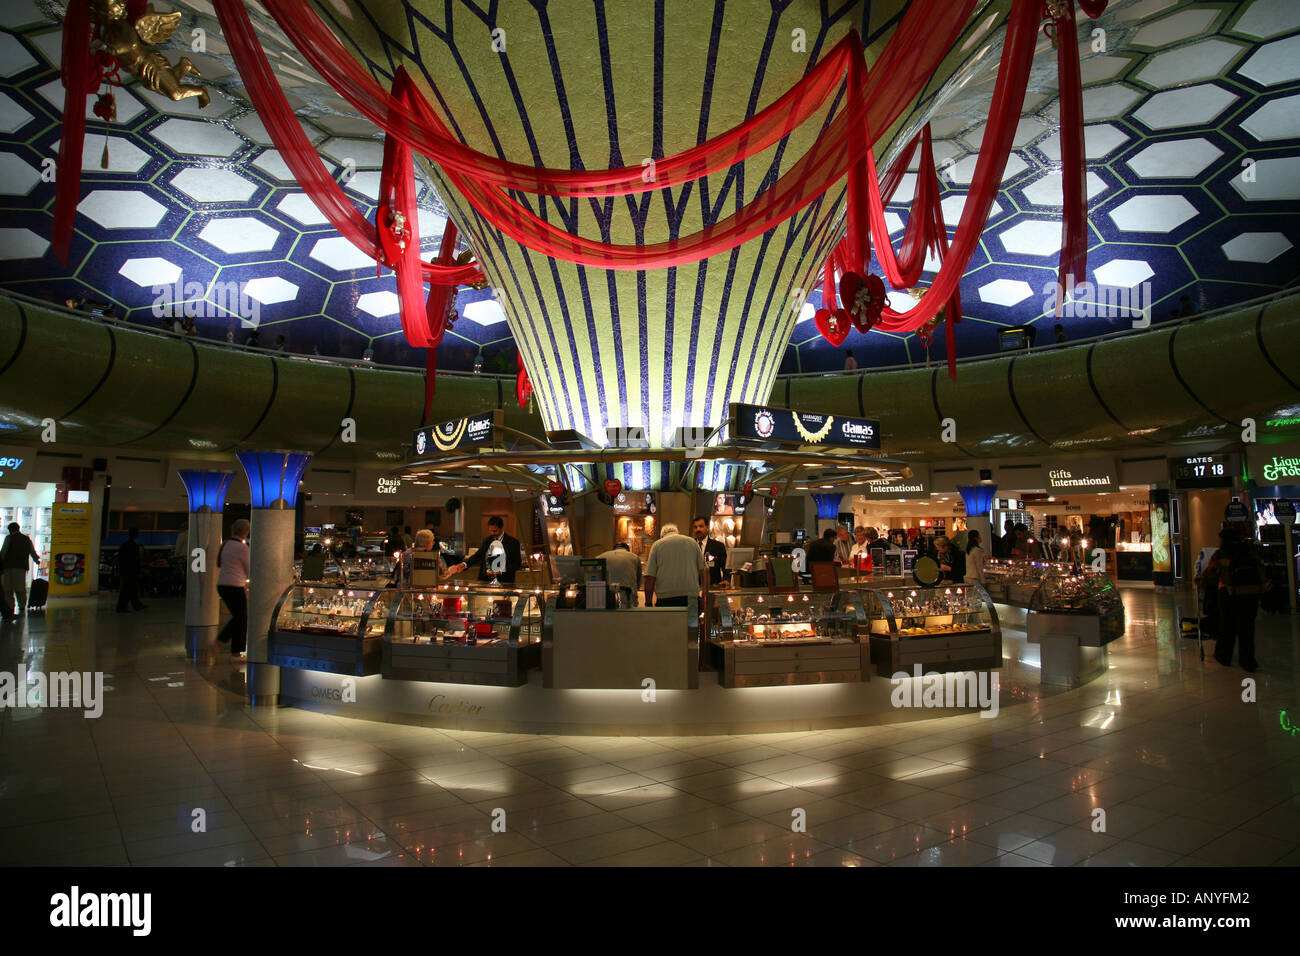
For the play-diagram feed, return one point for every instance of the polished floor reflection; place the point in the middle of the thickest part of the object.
(180, 772)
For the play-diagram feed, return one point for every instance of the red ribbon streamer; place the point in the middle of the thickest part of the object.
(1073, 264)
(75, 74)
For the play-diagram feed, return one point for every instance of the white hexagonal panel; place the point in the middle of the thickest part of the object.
(486, 312)
(22, 244)
(1099, 141)
(214, 185)
(1047, 190)
(150, 272)
(123, 155)
(1033, 237)
(341, 255)
(300, 207)
(1174, 159)
(1273, 179)
(1129, 12)
(1190, 106)
(12, 116)
(1269, 18)
(251, 125)
(1109, 101)
(893, 222)
(1276, 119)
(1123, 273)
(17, 178)
(1094, 69)
(219, 104)
(122, 209)
(1006, 292)
(20, 13)
(1274, 63)
(1152, 213)
(239, 234)
(128, 107)
(197, 138)
(1179, 26)
(1186, 64)
(954, 205)
(963, 172)
(362, 152)
(364, 184)
(1256, 247)
(14, 59)
(270, 289)
(806, 313)
(379, 304)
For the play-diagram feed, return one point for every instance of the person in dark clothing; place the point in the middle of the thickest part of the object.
(715, 552)
(499, 556)
(17, 551)
(130, 559)
(952, 564)
(1241, 582)
(823, 549)
(393, 543)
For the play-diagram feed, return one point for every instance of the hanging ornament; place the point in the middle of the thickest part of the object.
(393, 234)
(864, 299)
(774, 491)
(613, 486)
(523, 387)
(834, 326)
(556, 489)
(749, 489)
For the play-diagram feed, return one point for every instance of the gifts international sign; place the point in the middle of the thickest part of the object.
(1095, 474)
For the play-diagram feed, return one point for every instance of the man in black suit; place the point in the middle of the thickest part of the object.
(823, 549)
(130, 560)
(499, 553)
(715, 552)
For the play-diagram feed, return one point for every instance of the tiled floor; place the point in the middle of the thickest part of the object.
(1188, 774)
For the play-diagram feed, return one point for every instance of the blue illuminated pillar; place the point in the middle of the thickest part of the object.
(207, 493)
(979, 501)
(273, 479)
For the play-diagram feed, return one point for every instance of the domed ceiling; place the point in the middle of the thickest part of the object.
(1179, 96)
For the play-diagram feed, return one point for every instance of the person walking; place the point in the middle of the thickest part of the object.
(130, 563)
(975, 558)
(17, 551)
(1241, 582)
(850, 363)
(232, 586)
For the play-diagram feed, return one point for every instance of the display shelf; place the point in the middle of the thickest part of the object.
(464, 635)
(1089, 595)
(328, 628)
(945, 628)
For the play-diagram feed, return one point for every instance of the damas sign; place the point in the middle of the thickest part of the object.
(458, 433)
(786, 426)
(1097, 474)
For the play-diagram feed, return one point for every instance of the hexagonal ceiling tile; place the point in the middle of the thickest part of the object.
(379, 304)
(1097, 68)
(17, 178)
(487, 312)
(12, 116)
(214, 185)
(1143, 8)
(1006, 292)
(1099, 141)
(22, 244)
(128, 107)
(1047, 190)
(1276, 119)
(1171, 29)
(299, 206)
(14, 58)
(1274, 179)
(1174, 159)
(963, 172)
(197, 138)
(807, 312)
(1269, 18)
(1033, 237)
(122, 209)
(1190, 106)
(341, 255)
(1152, 213)
(1109, 101)
(1196, 61)
(953, 207)
(20, 13)
(1123, 273)
(356, 152)
(364, 184)
(251, 125)
(273, 164)
(1273, 63)
(150, 272)
(219, 106)
(239, 234)
(123, 155)
(894, 222)
(269, 290)
(1256, 247)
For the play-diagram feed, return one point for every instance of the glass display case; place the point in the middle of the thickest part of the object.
(1014, 582)
(321, 627)
(945, 628)
(760, 639)
(464, 635)
(1088, 594)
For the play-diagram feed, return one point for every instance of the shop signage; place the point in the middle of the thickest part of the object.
(1202, 471)
(1281, 471)
(70, 532)
(387, 486)
(553, 504)
(918, 486)
(1097, 474)
(15, 467)
(785, 426)
(457, 433)
(1271, 465)
(635, 503)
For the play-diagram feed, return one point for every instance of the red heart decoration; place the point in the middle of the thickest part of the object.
(775, 491)
(749, 489)
(863, 298)
(613, 486)
(391, 246)
(836, 336)
(556, 489)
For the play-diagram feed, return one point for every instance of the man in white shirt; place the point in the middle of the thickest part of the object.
(675, 571)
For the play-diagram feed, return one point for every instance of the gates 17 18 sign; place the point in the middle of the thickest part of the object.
(784, 425)
(458, 433)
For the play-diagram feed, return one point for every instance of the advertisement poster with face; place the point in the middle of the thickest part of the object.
(1160, 561)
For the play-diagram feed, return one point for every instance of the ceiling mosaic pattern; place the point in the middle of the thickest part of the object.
(1179, 97)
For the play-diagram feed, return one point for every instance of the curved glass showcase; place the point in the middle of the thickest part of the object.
(945, 628)
(1088, 594)
(760, 639)
(464, 635)
(330, 628)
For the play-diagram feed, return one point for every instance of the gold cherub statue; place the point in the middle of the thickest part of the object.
(126, 41)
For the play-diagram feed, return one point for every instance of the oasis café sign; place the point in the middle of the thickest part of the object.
(788, 427)
(457, 433)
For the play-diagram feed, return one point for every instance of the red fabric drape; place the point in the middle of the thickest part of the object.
(1073, 265)
(75, 73)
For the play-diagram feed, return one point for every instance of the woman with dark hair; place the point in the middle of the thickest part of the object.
(975, 556)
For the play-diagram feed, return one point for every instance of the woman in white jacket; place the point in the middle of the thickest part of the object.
(975, 556)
